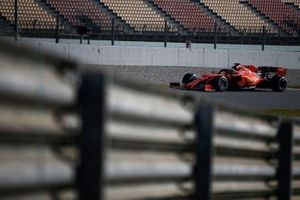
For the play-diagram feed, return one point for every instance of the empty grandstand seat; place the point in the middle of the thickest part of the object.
(82, 12)
(237, 15)
(187, 13)
(279, 12)
(30, 14)
(137, 13)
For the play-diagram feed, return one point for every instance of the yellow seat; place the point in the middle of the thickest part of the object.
(138, 14)
(237, 14)
(29, 13)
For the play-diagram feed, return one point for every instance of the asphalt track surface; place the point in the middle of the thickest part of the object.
(257, 99)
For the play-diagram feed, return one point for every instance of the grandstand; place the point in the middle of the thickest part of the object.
(31, 15)
(137, 13)
(147, 19)
(187, 13)
(237, 15)
(279, 13)
(82, 12)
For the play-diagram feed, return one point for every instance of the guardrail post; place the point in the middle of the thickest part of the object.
(166, 33)
(204, 151)
(216, 35)
(112, 32)
(90, 171)
(263, 38)
(284, 171)
(16, 20)
(57, 28)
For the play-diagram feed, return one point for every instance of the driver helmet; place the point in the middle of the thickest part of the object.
(235, 66)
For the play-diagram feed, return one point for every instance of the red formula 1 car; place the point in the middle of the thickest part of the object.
(240, 77)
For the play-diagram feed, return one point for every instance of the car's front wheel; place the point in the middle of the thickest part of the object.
(187, 78)
(221, 84)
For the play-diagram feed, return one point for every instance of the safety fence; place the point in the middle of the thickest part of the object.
(38, 134)
(117, 32)
(71, 134)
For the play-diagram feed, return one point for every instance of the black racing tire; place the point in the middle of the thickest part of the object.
(278, 83)
(187, 78)
(221, 84)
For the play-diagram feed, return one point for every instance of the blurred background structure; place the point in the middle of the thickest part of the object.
(200, 21)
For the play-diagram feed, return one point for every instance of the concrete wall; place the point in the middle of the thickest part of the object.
(151, 74)
(163, 65)
(175, 57)
(164, 75)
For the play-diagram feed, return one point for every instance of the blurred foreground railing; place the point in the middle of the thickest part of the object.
(38, 130)
(69, 134)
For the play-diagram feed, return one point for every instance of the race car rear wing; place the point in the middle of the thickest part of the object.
(280, 71)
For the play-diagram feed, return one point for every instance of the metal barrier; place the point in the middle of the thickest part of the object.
(69, 135)
(296, 158)
(38, 128)
(160, 146)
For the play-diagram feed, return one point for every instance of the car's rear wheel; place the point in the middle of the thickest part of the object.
(278, 83)
(221, 84)
(187, 78)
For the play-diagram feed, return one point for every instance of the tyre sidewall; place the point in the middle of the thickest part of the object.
(187, 78)
(279, 83)
(221, 84)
